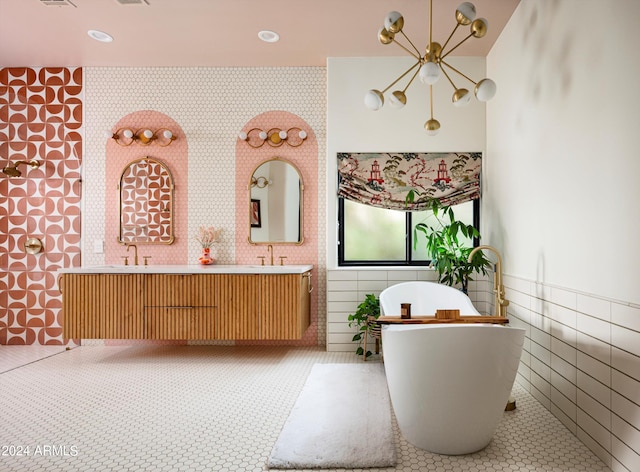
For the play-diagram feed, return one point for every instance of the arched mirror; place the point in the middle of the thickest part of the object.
(146, 203)
(275, 203)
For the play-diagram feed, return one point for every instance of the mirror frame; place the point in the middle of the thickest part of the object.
(171, 202)
(249, 204)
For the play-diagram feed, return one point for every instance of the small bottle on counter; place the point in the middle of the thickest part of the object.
(405, 311)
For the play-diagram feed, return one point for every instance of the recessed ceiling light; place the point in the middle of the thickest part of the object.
(100, 36)
(268, 36)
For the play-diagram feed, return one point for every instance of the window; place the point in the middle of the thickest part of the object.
(369, 235)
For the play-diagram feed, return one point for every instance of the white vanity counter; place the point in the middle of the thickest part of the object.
(189, 269)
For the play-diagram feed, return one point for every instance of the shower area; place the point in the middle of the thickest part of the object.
(41, 129)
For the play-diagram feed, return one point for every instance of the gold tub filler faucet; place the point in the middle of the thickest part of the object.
(501, 303)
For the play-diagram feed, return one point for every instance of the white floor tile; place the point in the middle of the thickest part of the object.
(221, 408)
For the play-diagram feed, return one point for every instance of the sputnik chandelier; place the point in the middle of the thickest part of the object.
(430, 66)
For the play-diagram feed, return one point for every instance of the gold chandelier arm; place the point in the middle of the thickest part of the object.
(444, 46)
(417, 54)
(455, 47)
(448, 78)
(456, 71)
(431, 100)
(401, 77)
(430, 25)
(409, 51)
(414, 76)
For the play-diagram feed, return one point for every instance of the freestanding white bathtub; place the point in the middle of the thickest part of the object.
(449, 383)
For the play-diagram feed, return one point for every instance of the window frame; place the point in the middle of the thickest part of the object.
(408, 262)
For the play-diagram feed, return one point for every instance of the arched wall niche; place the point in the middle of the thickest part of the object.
(305, 158)
(175, 157)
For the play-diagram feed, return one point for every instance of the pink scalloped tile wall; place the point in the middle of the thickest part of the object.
(41, 118)
(305, 158)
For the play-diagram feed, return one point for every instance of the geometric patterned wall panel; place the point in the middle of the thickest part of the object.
(41, 118)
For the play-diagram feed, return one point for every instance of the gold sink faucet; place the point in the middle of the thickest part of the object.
(270, 250)
(498, 288)
(135, 256)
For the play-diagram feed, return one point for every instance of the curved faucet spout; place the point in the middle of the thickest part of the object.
(135, 257)
(501, 303)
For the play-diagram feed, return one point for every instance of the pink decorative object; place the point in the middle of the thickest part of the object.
(206, 258)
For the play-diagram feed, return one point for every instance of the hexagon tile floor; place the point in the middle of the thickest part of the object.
(213, 408)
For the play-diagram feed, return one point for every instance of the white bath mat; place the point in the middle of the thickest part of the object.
(342, 419)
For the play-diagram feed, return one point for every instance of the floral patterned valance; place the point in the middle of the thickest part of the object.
(384, 179)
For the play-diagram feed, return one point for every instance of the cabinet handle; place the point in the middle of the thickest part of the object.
(308, 274)
(60, 283)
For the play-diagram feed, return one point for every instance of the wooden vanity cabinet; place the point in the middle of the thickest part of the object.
(185, 306)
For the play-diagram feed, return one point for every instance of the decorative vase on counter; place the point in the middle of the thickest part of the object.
(206, 258)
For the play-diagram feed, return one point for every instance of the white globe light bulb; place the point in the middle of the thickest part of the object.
(485, 90)
(374, 100)
(302, 134)
(398, 99)
(465, 13)
(242, 135)
(167, 134)
(429, 73)
(461, 97)
(127, 133)
(394, 22)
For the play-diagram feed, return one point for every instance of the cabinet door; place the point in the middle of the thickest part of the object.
(180, 322)
(101, 306)
(80, 319)
(284, 306)
(123, 306)
(239, 306)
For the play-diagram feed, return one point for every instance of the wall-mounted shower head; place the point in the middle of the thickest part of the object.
(12, 169)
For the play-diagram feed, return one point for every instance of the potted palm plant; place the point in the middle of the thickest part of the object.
(364, 320)
(446, 244)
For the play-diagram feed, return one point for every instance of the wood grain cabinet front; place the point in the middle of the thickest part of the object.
(284, 305)
(185, 306)
(102, 306)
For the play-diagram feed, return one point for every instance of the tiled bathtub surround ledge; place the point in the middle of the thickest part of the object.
(346, 288)
(582, 362)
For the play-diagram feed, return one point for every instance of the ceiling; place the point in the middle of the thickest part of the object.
(218, 33)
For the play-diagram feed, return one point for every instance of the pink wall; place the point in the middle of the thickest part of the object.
(175, 156)
(41, 119)
(305, 158)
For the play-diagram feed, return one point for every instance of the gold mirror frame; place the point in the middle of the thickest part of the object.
(143, 217)
(258, 214)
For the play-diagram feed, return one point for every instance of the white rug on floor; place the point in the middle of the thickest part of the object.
(342, 419)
